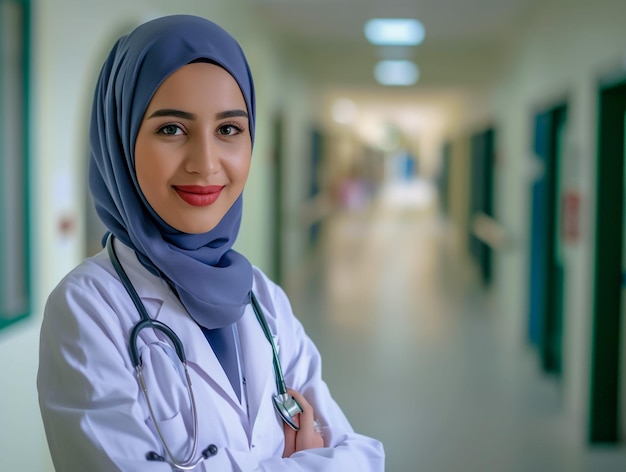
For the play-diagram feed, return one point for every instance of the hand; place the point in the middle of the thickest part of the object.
(307, 437)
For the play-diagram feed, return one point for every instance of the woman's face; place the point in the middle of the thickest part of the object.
(193, 149)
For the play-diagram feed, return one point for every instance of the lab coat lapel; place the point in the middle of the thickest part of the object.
(257, 362)
(197, 349)
(199, 354)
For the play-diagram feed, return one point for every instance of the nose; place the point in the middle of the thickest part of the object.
(202, 156)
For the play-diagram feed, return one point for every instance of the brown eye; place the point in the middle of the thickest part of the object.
(229, 130)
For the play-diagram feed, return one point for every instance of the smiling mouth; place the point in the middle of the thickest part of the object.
(198, 195)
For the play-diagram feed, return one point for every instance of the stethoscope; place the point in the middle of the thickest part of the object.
(286, 405)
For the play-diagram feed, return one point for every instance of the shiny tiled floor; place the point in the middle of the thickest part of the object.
(414, 353)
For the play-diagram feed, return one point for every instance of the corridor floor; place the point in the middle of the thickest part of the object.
(414, 352)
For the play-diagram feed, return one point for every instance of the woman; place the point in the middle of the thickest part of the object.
(171, 139)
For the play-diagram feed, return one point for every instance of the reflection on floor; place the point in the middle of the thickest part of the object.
(413, 354)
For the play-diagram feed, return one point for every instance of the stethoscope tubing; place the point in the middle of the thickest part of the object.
(286, 405)
(280, 379)
(146, 321)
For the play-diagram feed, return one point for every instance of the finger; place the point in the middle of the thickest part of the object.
(290, 440)
(308, 436)
(308, 415)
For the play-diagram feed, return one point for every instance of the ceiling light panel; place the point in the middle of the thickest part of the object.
(394, 32)
(400, 73)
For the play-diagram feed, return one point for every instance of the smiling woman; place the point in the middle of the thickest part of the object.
(14, 235)
(169, 307)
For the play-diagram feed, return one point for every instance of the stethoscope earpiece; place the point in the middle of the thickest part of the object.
(288, 407)
(154, 457)
(209, 451)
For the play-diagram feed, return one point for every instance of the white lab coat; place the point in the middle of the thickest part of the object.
(94, 413)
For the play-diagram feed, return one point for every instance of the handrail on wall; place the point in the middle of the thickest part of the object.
(491, 232)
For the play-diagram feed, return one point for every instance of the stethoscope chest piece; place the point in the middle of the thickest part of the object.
(288, 407)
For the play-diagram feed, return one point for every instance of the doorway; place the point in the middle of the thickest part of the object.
(481, 196)
(276, 198)
(15, 239)
(547, 273)
(607, 424)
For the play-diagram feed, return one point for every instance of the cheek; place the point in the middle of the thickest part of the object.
(244, 164)
(151, 170)
(140, 166)
(142, 169)
(144, 178)
(241, 164)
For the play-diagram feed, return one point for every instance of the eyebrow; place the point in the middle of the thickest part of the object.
(231, 114)
(171, 112)
(191, 116)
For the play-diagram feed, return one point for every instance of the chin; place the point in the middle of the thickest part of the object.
(197, 230)
(194, 222)
(193, 228)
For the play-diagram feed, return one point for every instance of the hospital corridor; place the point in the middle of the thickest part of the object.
(416, 353)
(439, 186)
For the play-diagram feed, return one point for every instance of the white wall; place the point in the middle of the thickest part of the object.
(565, 48)
(71, 39)
(281, 91)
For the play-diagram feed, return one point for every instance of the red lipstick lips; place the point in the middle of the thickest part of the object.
(199, 195)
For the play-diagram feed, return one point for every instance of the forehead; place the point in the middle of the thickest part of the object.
(199, 84)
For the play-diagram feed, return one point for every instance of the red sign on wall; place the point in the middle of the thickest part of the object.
(571, 216)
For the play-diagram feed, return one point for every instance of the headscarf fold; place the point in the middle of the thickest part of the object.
(212, 280)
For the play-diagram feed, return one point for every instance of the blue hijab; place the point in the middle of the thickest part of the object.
(212, 280)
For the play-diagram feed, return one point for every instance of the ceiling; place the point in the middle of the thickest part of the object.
(463, 52)
(465, 39)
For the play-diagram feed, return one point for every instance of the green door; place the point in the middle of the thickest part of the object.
(552, 329)
(546, 284)
(15, 288)
(622, 370)
(605, 420)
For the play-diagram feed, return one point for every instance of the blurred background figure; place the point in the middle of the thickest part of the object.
(444, 208)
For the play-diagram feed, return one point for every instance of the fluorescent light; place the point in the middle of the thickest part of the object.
(396, 72)
(394, 32)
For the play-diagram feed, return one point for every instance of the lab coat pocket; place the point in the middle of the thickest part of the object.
(174, 434)
(168, 407)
